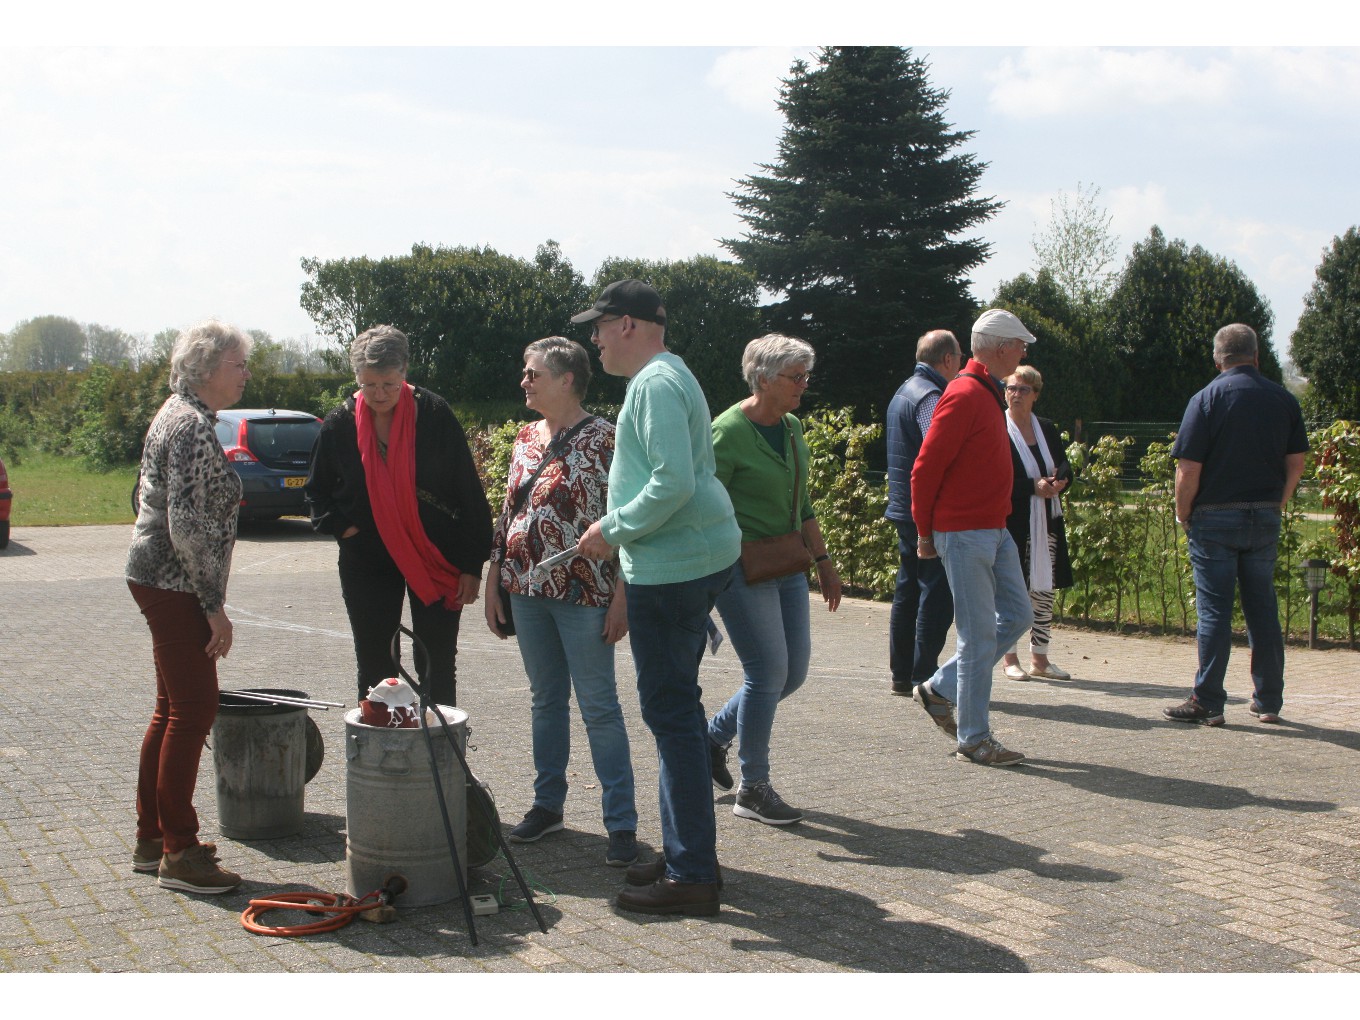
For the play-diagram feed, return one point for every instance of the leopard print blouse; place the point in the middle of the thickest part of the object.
(186, 529)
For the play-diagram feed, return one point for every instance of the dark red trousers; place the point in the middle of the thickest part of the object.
(186, 705)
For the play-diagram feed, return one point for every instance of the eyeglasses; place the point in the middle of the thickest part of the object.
(387, 387)
(799, 379)
(595, 329)
(532, 373)
(1020, 391)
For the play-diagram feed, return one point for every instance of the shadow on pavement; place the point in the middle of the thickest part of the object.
(966, 852)
(1125, 784)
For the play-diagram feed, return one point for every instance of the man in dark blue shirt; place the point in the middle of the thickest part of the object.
(1239, 456)
(922, 608)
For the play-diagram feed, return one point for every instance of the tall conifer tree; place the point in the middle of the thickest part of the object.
(855, 228)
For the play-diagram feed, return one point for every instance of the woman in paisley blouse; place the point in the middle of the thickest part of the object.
(177, 571)
(569, 618)
(392, 478)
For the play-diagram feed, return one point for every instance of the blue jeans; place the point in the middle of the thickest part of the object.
(562, 647)
(1231, 549)
(990, 615)
(667, 628)
(922, 611)
(769, 628)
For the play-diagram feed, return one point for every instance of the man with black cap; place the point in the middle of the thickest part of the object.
(677, 538)
(960, 499)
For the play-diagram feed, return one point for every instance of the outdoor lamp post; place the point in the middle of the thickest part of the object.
(1314, 579)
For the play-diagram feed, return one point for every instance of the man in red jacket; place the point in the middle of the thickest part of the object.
(960, 497)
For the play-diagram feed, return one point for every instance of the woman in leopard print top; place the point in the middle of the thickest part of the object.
(177, 571)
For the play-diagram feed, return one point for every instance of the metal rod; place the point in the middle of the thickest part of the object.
(281, 699)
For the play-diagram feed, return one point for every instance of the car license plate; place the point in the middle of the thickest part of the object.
(295, 481)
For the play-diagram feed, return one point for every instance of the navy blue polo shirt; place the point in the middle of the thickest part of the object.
(1240, 427)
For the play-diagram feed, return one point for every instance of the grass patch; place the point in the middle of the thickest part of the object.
(54, 491)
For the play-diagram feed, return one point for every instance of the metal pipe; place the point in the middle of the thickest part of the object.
(280, 699)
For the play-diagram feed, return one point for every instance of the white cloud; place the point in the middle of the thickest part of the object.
(1091, 81)
(749, 78)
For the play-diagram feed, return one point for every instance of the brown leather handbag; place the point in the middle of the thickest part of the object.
(763, 559)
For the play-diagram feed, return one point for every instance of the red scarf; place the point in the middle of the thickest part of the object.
(392, 493)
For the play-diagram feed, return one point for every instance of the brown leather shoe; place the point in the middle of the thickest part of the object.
(665, 896)
(646, 874)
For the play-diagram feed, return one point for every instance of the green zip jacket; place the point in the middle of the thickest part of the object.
(757, 479)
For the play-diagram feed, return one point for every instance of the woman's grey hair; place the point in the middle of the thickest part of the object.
(562, 355)
(382, 348)
(1029, 375)
(768, 356)
(198, 351)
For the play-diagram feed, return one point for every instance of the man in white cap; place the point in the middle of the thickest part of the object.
(960, 498)
(677, 538)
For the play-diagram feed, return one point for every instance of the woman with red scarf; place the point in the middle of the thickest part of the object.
(392, 478)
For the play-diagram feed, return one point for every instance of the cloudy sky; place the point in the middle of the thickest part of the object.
(147, 181)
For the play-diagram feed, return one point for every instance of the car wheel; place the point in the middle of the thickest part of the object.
(4, 534)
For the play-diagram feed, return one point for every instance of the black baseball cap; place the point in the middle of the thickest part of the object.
(626, 297)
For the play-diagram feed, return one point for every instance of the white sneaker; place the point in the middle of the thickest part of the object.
(1017, 673)
(1050, 672)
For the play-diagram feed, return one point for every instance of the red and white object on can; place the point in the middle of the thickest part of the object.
(391, 704)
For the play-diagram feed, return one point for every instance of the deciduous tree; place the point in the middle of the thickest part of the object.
(1169, 302)
(1326, 343)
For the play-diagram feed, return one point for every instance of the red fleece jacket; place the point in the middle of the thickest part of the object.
(962, 478)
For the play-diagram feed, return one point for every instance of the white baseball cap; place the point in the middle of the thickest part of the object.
(999, 322)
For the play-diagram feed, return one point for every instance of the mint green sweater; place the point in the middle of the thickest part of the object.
(668, 514)
(759, 481)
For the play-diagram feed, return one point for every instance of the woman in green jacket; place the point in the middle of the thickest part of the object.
(762, 461)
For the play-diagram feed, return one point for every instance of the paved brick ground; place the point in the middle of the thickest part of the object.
(1126, 843)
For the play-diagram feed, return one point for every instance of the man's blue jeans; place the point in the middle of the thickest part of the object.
(922, 611)
(1231, 549)
(770, 632)
(667, 628)
(991, 612)
(562, 646)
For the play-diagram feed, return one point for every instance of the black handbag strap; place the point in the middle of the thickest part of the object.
(555, 450)
(991, 387)
(793, 448)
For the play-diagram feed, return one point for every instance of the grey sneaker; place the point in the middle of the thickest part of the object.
(760, 802)
(1191, 710)
(197, 871)
(537, 824)
(988, 751)
(722, 775)
(939, 709)
(623, 849)
(1255, 709)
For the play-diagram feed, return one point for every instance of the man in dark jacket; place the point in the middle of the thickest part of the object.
(1239, 456)
(922, 608)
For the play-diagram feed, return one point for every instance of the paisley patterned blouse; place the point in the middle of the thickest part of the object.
(186, 529)
(568, 497)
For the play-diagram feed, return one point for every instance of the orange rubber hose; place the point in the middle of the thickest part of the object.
(341, 909)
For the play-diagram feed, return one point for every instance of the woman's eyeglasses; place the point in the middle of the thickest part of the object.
(1019, 391)
(798, 379)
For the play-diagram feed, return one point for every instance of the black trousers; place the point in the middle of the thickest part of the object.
(374, 592)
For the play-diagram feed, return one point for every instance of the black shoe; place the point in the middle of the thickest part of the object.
(537, 824)
(646, 874)
(717, 756)
(665, 896)
(1191, 710)
(1260, 713)
(764, 805)
(623, 849)
(902, 690)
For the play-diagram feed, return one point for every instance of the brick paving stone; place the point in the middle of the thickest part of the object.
(1125, 844)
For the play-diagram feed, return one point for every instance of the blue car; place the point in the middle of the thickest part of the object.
(270, 450)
